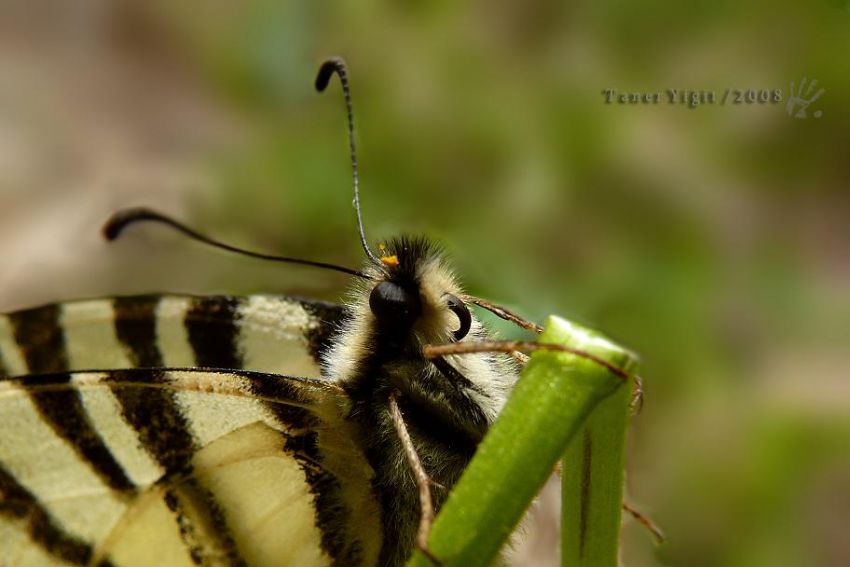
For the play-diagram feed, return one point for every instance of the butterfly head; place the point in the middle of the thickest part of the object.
(412, 290)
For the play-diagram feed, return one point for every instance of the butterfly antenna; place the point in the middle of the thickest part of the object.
(120, 220)
(328, 68)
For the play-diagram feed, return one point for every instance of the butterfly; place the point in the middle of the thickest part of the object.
(256, 430)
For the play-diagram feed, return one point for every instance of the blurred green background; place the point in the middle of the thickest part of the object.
(714, 241)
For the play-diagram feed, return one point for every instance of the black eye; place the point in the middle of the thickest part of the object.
(393, 305)
(459, 308)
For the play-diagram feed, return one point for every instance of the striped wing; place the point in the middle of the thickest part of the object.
(175, 467)
(273, 334)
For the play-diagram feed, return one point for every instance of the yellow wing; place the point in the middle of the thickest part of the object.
(144, 466)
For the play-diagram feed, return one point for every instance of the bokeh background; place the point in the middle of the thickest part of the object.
(714, 241)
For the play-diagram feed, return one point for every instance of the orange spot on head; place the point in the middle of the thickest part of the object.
(390, 260)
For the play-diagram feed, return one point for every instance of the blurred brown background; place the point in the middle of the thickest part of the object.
(714, 241)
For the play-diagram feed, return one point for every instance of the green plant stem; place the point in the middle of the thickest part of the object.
(592, 485)
(548, 407)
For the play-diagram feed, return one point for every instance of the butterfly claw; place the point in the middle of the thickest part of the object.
(422, 546)
(647, 522)
(636, 403)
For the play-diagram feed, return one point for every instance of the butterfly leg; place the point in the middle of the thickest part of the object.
(505, 314)
(647, 522)
(505, 346)
(515, 348)
(423, 481)
(434, 351)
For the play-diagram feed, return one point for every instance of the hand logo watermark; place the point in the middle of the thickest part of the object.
(798, 100)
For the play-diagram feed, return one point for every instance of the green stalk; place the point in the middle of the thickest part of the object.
(592, 485)
(549, 405)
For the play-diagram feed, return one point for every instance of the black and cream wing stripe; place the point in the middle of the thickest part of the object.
(264, 333)
(178, 467)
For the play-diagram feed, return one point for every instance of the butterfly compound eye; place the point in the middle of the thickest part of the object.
(459, 308)
(393, 305)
